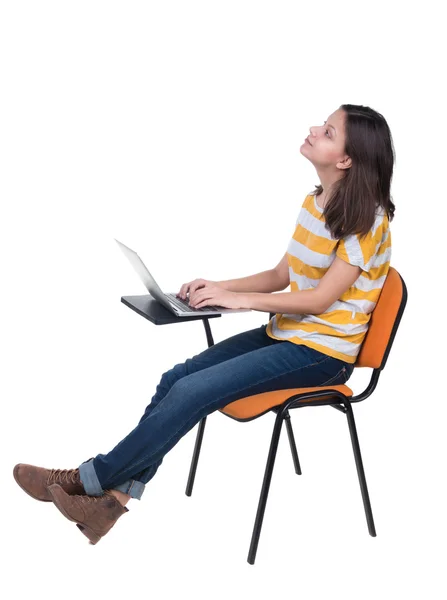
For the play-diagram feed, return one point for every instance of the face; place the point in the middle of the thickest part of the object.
(325, 145)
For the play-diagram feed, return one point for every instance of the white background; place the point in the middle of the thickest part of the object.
(175, 127)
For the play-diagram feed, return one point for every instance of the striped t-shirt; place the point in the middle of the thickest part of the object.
(339, 331)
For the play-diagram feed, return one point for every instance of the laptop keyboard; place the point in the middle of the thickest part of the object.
(185, 306)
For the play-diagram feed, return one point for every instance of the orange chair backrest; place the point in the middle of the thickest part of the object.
(385, 319)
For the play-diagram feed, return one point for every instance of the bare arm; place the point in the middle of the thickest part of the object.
(336, 281)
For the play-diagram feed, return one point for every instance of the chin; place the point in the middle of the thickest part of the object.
(305, 155)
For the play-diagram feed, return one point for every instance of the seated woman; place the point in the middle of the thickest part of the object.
(336, 264)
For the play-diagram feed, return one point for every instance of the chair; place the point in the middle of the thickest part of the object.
(376, 346)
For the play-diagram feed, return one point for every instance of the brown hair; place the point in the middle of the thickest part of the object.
(354, 199)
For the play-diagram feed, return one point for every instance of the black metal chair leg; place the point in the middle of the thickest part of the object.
(360, 470)
(195, 457)
(265, 489)
(198, 444)
(296, 461)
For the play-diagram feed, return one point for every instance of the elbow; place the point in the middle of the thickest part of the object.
(282, 285)
(282, 280)
(320, 305)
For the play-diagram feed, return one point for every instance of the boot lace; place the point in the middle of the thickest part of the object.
(63, 475)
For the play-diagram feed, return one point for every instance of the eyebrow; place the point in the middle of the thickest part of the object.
(332, 127)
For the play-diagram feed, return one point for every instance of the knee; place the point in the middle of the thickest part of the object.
(167, 382)
(190, 384)
(169, 378)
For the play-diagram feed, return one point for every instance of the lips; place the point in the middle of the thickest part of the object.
(307, 140)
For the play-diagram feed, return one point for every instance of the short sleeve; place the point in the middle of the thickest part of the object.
(361, 250)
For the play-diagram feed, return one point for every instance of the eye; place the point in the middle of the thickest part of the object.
(327, 132)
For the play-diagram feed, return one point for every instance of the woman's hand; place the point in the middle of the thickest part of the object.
(192, 286)
(213, 295)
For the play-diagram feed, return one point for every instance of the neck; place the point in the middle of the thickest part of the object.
(326, 180)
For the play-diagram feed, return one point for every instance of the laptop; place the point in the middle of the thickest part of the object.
(170, 301)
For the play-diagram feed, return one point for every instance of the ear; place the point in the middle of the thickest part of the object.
(346, 163)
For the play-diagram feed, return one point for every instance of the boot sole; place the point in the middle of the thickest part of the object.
(15, 473)
(89, 533)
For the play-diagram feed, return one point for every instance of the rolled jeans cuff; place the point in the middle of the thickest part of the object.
(92, 487)
(132, 487)
(89, 479)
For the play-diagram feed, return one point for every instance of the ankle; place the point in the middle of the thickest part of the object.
(122, 498)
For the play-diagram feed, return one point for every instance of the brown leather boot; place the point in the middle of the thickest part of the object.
(94, 515)
(35, 480)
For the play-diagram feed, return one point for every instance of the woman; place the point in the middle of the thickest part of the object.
(336, 264)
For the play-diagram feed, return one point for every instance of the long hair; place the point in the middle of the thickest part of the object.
(355, 198)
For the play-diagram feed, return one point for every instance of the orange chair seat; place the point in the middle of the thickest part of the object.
(258, 404)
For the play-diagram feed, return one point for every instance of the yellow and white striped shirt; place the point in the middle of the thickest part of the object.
(339, 331)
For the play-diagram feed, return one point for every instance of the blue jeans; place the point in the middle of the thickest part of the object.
(243, 365)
